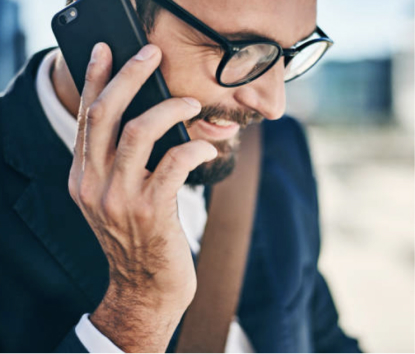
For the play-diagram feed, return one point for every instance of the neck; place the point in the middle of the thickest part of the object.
(64, 86)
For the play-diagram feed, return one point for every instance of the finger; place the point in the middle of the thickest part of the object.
(105, 114)
(97, 76)
(174, 168)
(140, 134)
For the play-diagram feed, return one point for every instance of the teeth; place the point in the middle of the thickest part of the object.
(222, 122)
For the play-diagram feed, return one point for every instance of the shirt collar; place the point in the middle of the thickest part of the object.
(62, 122)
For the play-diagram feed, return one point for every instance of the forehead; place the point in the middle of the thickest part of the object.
(285, 21)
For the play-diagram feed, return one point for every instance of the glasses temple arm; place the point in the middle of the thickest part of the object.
(321, 32)
(193, 21)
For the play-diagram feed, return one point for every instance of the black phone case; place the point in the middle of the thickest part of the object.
(115, 23)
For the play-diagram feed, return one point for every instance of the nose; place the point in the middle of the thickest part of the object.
(265, 95)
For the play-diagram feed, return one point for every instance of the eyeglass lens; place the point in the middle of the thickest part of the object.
(305, 60)
(254, 59)
(249, 62)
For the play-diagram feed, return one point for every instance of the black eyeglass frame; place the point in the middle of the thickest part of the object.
(233, 47)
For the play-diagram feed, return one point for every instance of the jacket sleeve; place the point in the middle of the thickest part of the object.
(71, 344)
(328, 336)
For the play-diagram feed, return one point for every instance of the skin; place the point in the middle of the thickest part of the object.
(134, 213)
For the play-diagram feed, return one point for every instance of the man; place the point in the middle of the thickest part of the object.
(121, 253)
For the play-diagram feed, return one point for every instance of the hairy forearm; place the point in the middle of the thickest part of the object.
(136, 325)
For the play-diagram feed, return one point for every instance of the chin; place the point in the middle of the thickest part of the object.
(218, 169)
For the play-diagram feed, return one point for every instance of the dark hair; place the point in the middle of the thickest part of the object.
(147, 11)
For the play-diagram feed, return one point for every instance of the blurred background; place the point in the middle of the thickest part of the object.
(358, 107)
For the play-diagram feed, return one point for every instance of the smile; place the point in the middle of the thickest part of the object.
(217, 129)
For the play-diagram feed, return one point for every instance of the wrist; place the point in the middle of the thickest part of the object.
(151, 295)
(136, 324)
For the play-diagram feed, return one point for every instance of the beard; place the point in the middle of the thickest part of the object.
(223, 165)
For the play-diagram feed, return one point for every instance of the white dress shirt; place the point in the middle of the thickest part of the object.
(191, 205)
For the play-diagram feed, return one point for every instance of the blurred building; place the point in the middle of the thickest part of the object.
(12, 41)
(373, 60)
(403, 81)
(356, 92)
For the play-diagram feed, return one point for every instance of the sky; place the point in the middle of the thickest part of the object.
(367, 28)
(360, 28)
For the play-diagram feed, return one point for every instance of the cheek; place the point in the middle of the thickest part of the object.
(192, 75)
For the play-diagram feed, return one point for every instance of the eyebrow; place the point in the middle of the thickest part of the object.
(250, 35)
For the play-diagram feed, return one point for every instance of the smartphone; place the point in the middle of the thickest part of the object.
(81, 25)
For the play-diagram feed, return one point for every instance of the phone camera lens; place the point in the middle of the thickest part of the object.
(62, 20)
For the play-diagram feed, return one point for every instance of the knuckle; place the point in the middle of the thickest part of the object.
(92, 72)
(111, 206)
(134, 130)
(116, 207)
(130, 70)
(144, 211)
(85, 194)
(144, 207)
(72, 187)
(175, 156)
(96, 110)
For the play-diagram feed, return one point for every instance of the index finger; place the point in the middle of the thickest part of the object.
(97, 76)
(104, 116)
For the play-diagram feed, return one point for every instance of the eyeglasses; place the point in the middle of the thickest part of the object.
(245, 61)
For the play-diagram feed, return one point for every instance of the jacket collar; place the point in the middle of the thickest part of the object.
(26, 131)
(32, 148)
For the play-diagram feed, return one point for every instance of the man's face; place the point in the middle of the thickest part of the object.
(190, 61)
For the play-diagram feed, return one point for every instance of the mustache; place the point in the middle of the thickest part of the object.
(240, 116)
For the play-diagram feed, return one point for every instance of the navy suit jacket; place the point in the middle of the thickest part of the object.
(53, 270)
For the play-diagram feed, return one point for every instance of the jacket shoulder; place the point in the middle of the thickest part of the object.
(287, 137)
(286, 153)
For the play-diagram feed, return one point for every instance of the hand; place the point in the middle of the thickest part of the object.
(132, 212)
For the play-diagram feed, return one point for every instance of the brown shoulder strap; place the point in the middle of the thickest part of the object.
(222, 259)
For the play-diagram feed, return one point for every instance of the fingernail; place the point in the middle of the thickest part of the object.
(214, 154)
(146, 52)
(96, 52)
(192, 102)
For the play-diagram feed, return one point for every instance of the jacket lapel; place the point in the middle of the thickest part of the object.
(32, 148)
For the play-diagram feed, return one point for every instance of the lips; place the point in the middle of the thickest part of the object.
(220, 122)
(216, 129)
